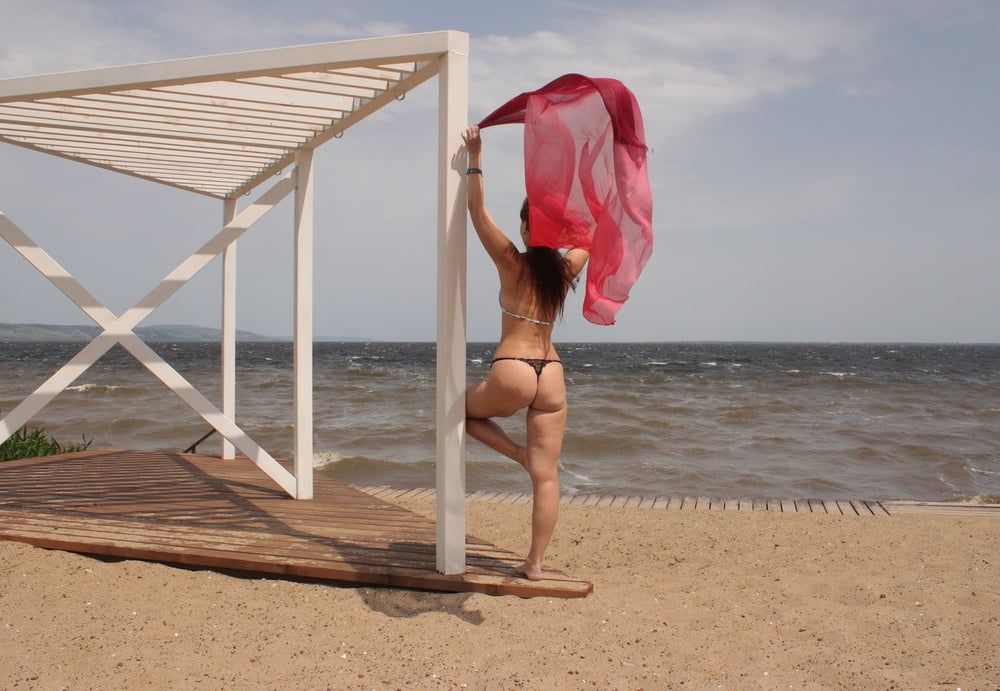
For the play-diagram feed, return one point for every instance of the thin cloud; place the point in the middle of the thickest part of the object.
(683, 65)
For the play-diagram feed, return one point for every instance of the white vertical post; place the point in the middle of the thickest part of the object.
(303, 394)
(453, 108)
(229, 328)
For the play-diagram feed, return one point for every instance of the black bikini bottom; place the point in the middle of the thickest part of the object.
(538, 364)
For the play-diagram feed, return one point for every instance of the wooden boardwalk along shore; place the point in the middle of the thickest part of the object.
(204, 511)
(842, 507)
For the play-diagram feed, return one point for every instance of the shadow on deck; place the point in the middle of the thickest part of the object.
(203, 511)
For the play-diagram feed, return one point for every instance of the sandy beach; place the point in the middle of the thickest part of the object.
(692, 600)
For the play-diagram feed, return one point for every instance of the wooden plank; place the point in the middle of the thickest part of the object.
(661, 502)
(220, 68)
(861, 509)
(632, 502)
(312, 568)
(647, 502)
(356, 555)
(238, 521)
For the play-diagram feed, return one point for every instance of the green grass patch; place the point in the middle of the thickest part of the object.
(29, 443)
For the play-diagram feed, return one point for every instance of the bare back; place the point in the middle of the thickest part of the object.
(519, 337)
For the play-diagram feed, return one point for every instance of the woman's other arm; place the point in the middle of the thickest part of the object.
(577, 259)
(501, 250)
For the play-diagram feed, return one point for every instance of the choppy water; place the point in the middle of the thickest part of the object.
(714, 419)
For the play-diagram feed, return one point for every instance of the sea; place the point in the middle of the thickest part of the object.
(824, 420)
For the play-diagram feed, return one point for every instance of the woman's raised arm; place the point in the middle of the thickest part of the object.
(577, 259)
(501, 250)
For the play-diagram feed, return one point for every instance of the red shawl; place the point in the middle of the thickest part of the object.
(585, 171)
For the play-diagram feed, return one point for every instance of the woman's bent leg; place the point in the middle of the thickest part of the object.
(491, 434)
(545, 438)
(488, 399)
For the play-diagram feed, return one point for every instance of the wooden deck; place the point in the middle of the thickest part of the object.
(202, 511)
(863, 508)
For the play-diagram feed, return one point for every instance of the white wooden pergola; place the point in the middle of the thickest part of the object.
(221, 126)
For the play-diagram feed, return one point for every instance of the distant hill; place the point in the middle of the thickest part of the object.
(172, 333)
(165, 332)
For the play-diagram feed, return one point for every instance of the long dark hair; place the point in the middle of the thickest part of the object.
(551, 276)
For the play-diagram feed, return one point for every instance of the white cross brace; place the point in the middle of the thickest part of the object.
(120, 330)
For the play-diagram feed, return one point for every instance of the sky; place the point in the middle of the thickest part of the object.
(820, 171)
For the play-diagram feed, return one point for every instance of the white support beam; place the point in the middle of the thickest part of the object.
(339, 127)
(119, 330)
(321, 56)
(303, 346)
(453, 108)
(228, 358)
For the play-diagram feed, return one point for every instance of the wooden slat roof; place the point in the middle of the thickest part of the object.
(216, 125)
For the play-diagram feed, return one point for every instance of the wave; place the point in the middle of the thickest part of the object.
(325, 458)
(101, 388)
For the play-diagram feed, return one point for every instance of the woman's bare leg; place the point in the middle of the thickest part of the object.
(491, 434)
(545, 438)
(499, 399)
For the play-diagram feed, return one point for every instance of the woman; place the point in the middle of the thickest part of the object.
(526, 370)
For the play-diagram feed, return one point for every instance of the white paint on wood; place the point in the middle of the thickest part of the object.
(119, 330)
(275, 61)
(228, 451)
(453, 94)
(303, 346)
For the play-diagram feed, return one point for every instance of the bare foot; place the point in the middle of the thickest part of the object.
(532, 573)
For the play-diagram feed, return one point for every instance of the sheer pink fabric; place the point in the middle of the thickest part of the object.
(585, 170)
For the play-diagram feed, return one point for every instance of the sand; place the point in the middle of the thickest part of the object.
(681, 599)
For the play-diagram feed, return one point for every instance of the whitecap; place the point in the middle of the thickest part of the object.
(324, 458)
(476, 361)
(836, 374)
(708, 364)
(93, 387)
(588, 365)
(579, 476)
(793, 371)
(981, 471)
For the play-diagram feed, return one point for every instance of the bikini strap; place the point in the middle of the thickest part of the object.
(520, 316)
